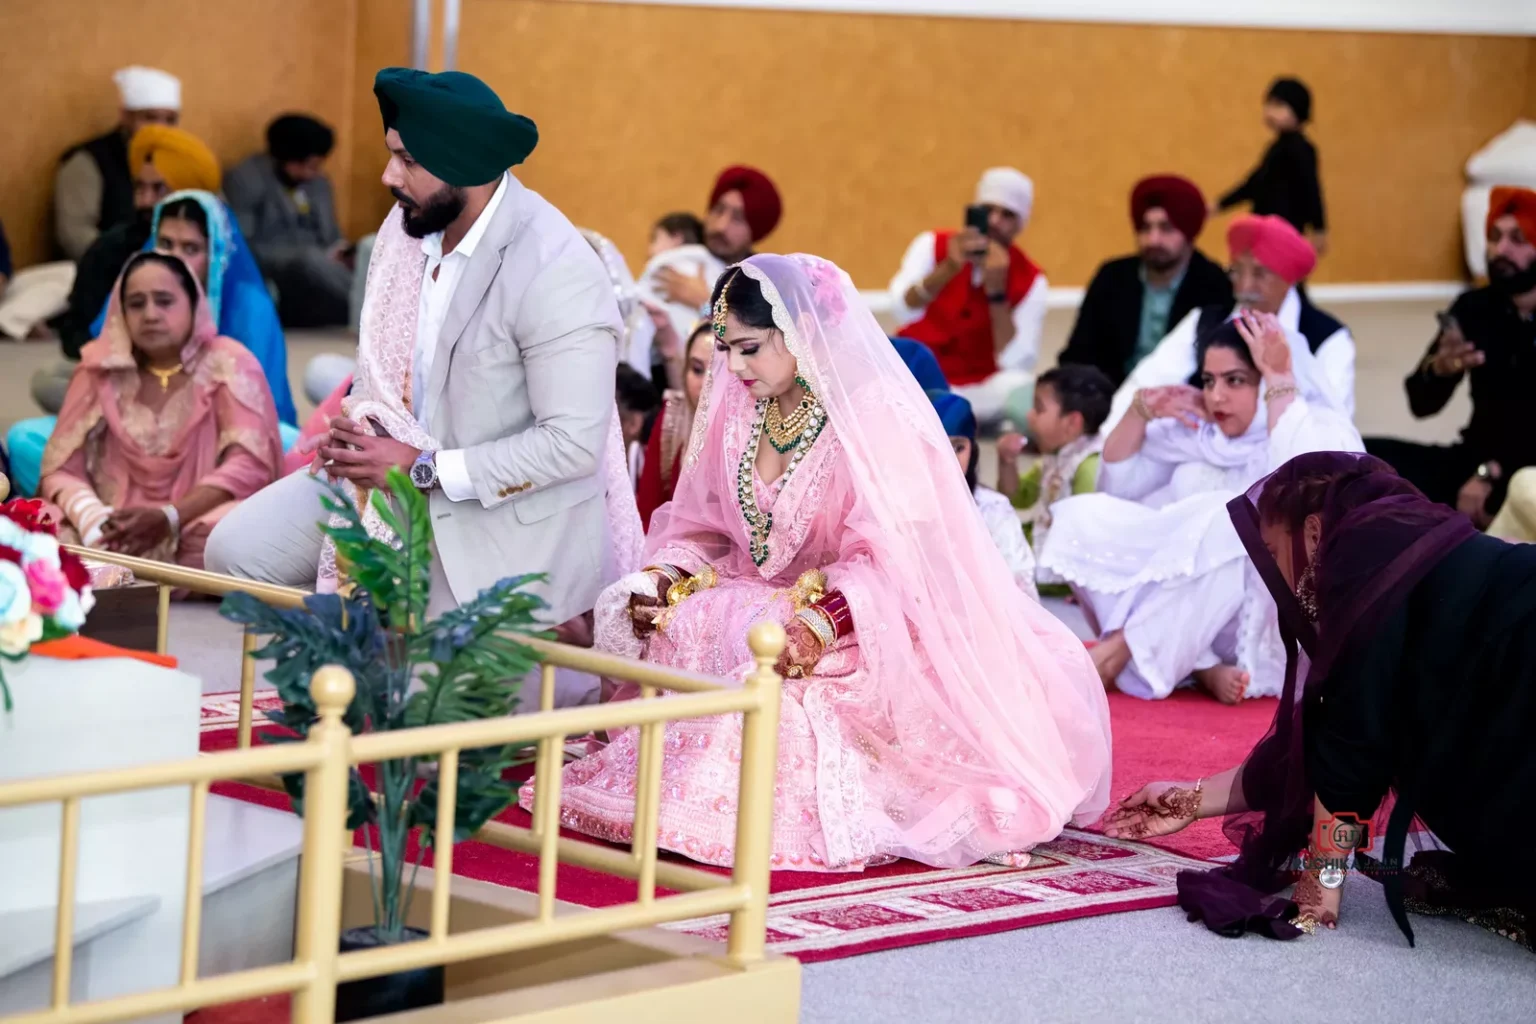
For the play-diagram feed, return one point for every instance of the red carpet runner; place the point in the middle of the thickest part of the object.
(816, 916)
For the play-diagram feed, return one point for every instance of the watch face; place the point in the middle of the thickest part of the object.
(1331, 876)
(423, 475)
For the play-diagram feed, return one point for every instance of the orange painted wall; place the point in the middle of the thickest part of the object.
(240, 64)
(875, 127)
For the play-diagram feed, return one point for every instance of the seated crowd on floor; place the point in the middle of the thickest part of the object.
(170, 402)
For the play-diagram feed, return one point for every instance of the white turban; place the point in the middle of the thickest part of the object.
(1009, 188)
(148, 89)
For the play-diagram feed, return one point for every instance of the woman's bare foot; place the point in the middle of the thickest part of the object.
(1110, 656)
(1227, 683)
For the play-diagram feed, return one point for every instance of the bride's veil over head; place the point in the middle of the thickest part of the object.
(975, 685)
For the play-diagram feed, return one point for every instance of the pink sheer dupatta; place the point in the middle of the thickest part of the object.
(981, 719)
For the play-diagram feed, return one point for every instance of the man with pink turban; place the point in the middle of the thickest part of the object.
(1133, 300)
(1269, 258)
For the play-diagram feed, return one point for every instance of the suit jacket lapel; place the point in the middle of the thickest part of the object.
(473, 285)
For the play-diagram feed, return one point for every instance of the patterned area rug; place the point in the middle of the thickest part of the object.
(816, 916)
(222, 710)
(1078, 875)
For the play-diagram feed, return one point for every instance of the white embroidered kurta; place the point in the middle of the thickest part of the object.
(1173, 362)
(1155, 555)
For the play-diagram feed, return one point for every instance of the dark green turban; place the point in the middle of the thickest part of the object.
(453, 124)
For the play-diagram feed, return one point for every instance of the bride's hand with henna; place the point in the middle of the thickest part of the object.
(802, 650)
(1157, 809)
(645, 608)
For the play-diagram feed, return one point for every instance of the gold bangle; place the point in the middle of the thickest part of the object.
(1281, 392)
(671, 572)
(819, 623)
(1139, 405)
(704, 579)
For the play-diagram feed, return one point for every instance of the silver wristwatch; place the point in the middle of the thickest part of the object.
(424, 471)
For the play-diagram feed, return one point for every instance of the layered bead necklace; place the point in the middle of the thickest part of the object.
(795, 433)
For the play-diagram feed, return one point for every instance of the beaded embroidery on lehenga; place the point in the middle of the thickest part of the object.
(958, 721)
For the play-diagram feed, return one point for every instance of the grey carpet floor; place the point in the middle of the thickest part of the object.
(1153, 966)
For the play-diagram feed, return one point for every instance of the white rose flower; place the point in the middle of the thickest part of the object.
(15, 594)
(16, 638)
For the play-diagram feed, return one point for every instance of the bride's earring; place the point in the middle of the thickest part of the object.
(1306, 591)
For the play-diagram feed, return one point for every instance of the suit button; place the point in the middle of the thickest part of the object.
(502, 493)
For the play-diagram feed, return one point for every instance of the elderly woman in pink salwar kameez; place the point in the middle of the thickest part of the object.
(165, 427)
(931, 710)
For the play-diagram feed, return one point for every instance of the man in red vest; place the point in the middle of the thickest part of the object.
(978, 302)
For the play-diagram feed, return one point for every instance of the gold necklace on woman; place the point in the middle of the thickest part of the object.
(164, 376)
(784, 431)
(759, 521)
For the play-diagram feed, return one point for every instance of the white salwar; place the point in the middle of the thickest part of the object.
(1155, 555)
(1008, 534)
(1173, 362)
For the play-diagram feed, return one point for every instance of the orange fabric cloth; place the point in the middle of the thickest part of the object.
(83, 648)
(1519, 203)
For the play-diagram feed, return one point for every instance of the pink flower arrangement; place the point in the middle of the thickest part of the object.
(45, 592)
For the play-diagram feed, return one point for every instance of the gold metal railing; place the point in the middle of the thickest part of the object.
(327, 757)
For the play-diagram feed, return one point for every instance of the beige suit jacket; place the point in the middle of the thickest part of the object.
(522, 381)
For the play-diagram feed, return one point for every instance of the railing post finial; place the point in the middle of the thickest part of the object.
(333, 689)
(766, 639)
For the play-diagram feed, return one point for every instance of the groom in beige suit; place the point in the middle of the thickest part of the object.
(492, 386)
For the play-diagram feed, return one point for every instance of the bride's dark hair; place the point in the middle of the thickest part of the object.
(744, 296)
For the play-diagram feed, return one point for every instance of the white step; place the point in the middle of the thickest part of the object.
(26, 948)
(250, 886)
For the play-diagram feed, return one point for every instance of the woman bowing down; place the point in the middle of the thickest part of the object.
(931, 710)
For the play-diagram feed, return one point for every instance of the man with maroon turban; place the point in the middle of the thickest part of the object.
(1133, 300)
(1489, 337)
(744, 208)
(1269, 258)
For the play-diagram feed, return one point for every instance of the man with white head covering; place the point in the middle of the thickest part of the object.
(976, 300)
(93, 188)
(1269, 259)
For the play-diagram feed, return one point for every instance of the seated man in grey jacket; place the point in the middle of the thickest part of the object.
(287, 213)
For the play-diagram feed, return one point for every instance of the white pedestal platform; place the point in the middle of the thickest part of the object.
(92, 715)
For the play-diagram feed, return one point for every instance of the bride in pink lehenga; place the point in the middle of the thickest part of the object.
(930, 710)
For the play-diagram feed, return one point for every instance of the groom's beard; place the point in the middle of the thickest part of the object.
(441, 209)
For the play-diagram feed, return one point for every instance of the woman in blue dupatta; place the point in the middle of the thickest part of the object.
(196, 226)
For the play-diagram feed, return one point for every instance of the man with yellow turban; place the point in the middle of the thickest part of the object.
(163, 160)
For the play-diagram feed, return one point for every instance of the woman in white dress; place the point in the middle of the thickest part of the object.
(1154, 558)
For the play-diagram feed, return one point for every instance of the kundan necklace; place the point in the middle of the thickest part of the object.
(164, 376)
(759, 522)
(784, 431)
